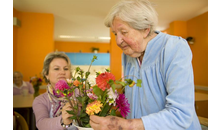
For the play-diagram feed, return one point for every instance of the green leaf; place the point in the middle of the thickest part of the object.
(79, 99)
(97, 91)
(105, 110)
(113, 87)
(84, 100)
(87, 74)
(88, 125)
(94, 58)
(75, 107)
(97, 74)
(73, 117)
(113, 112)
(104, 97)
(77, 69)
(83, 115)
(99, 98)
(107, 70)
(139, 81)
(123, 83)
(129, 81)
(70, 112)
(85, 119)
(78, 78)
(111, 82)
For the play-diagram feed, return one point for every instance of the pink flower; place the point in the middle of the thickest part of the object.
(62, 88)
(103, 79)
(123, 105)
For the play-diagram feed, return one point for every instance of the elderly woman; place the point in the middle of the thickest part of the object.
(21, 86)
(50, 108)
(163, 63)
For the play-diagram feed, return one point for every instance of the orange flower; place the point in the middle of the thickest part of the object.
(76, 83)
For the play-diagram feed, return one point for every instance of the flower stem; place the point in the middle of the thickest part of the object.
(68, 98)
(128, 76)
(77, 118)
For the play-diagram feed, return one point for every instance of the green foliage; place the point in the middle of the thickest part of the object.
(139, 81)
(113, 112)
(97, 90)
(129, 81)
(105, 110)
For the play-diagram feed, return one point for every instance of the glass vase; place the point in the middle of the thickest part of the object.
(36, 90)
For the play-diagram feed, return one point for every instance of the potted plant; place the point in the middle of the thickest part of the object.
(95, 50)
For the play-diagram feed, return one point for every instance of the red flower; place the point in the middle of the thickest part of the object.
(103, 79)
(123, 105)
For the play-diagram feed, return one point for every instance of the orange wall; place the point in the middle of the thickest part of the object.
(15, 13)
(196, 27)
(32, 42)
(34, 39)
(115, 58)
(178, 28)
(84, 47)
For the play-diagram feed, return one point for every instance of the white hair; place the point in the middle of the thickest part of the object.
(139, 14)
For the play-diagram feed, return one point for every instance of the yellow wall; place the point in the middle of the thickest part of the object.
(32, 42)
(197, 28)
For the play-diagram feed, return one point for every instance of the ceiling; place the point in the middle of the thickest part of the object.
(82, 20)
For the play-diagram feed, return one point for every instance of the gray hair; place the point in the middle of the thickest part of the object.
(18, 72)
(139, 14)
(49, 58)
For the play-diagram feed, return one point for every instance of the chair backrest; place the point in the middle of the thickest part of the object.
(21, 122)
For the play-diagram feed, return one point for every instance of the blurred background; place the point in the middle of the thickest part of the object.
(76, 27)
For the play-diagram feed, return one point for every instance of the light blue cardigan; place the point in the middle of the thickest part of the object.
(166, 99)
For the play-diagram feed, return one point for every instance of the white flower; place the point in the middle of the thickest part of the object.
(91, 80)
(69, 80)
(112, 96)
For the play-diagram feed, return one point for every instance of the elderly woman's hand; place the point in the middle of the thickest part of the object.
(115, 123)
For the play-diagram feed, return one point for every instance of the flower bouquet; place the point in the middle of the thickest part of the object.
(88, 98)
(36, 82)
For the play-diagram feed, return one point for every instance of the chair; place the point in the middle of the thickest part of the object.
(21, 122)
(204, 122)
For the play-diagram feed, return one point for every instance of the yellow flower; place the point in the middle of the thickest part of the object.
(94, 107)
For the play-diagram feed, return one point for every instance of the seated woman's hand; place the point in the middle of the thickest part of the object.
(65, 114)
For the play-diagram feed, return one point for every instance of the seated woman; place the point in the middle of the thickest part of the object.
(49, 108)
(19, 85)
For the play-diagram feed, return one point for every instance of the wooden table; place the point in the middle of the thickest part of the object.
(25, 103)
(201, 96)
(203, 121)
(20, 101)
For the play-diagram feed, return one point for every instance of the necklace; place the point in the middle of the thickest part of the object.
(141, 56)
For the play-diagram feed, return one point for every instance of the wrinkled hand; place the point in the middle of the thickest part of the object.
(115, 123)
(105, 123)
(65, 114)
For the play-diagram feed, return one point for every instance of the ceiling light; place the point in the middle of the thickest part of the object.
(104, 38)
(68, 36)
